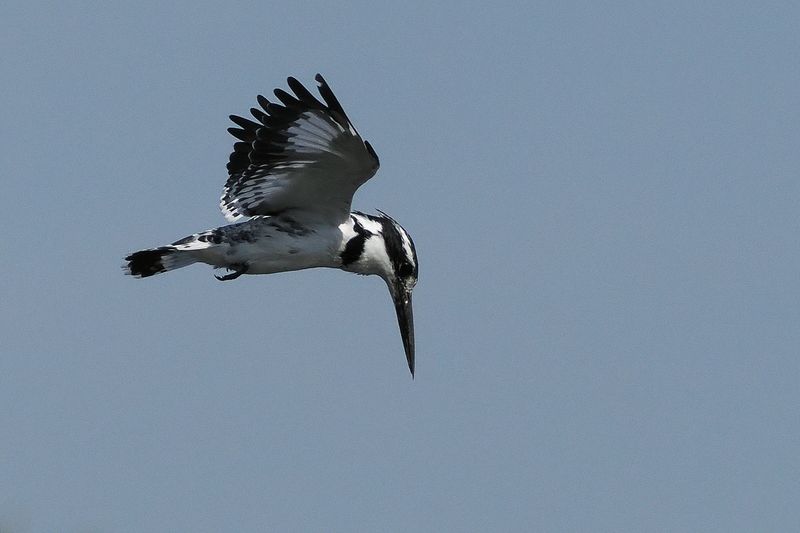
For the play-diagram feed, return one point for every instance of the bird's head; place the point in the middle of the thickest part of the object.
(401, 280)
(381, 246)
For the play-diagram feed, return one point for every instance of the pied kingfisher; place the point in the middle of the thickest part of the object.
(291, 179)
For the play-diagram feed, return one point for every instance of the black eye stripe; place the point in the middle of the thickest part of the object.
(395, 248)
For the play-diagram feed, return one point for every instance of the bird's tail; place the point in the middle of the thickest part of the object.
(146, 263)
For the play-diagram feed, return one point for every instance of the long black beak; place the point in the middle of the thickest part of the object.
(405, 319)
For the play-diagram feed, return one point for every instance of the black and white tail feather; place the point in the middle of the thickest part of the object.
(181, 253)
(146, 263)
(292, 175)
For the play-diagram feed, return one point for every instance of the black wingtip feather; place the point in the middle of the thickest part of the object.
(262, 101)
(242, 135)
(258, 114)
(244, 123)
(329, 97)
(303, 94)
(277, 110)
(287, 99)
(372, 152)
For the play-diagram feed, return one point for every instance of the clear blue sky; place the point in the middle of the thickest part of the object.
(604, 201)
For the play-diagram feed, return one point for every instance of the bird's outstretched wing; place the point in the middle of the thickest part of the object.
(303, 155)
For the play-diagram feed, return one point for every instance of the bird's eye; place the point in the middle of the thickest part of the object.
(405, 270)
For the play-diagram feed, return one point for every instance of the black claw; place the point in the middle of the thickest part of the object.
(238, 270)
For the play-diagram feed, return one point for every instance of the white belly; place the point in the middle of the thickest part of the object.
(268, 245)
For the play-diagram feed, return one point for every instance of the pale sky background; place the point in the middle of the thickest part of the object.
(604, 200)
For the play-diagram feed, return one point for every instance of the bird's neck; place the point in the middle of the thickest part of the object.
(363, 248)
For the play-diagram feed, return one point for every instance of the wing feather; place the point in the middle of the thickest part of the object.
(302, 154)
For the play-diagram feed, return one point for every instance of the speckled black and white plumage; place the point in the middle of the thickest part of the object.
(291, 180)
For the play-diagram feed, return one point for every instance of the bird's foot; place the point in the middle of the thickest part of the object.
(238, 269)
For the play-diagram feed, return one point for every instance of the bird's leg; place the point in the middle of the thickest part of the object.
(238, 270)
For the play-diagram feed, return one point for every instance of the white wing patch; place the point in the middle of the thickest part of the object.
(312, 133)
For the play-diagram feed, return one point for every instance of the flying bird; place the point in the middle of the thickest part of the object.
(291, 179)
